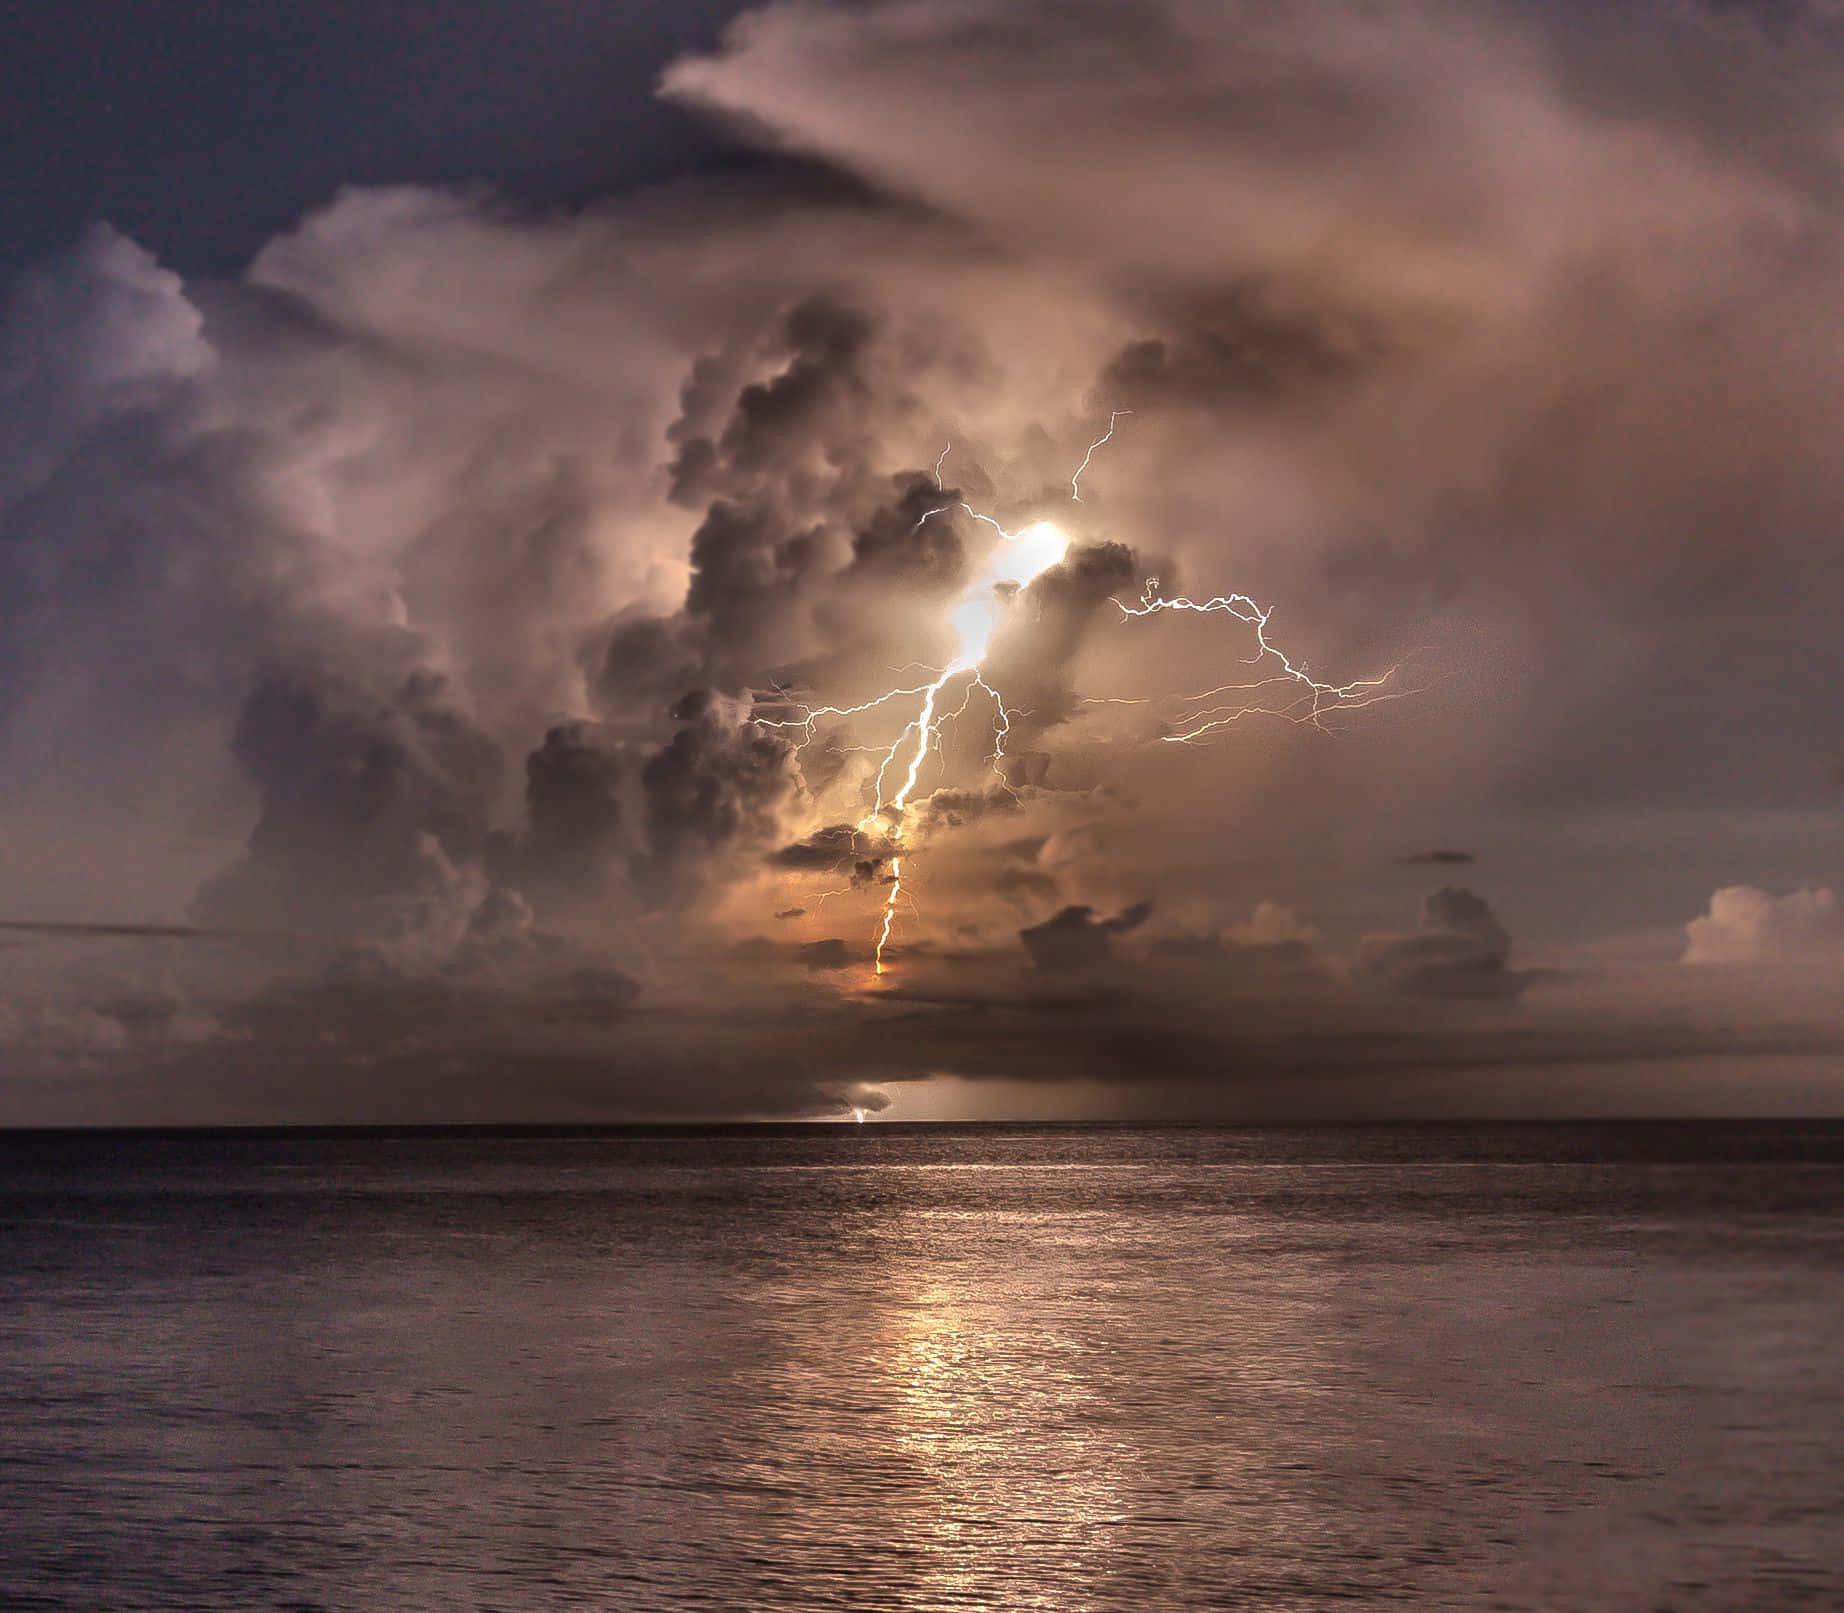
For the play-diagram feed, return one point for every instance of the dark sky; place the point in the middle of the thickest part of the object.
(523, 560)
(203, 127)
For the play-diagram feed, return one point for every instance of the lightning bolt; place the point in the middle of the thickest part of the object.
(924, 727)
(1312, 698)
(920, 737)
(1017, 558)
(1075, 490)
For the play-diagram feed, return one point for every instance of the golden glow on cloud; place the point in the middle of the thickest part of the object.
(1011, 565)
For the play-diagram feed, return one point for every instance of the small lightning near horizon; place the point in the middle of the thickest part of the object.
(1016, 560)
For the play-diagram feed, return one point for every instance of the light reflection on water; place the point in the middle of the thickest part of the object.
(1111, 1370)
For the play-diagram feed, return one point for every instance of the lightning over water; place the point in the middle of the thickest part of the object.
(1288, 690)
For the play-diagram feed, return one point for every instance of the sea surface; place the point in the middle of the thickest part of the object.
(888, 1367)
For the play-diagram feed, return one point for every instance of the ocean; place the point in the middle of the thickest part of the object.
(911, 1367)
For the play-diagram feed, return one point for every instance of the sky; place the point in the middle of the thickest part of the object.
(454, 484)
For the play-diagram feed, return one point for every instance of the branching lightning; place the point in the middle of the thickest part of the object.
(1016, 559)
(1311, 700)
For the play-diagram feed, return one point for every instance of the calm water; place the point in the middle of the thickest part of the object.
(891, 1368)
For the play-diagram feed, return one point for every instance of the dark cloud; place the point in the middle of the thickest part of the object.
(1202, 1069)
(774, 480)
(1245, 964)
(825, 849)
(575, 820)
(837, 849)
(1461, 951)
(1437, 858)
(352, 786)
(746, 562)
(831, 953)
(913, 543)
(1034, 649)
(365, 1008)
(1189, 947)
(1014, 872)
(648, 664)
(812, 556)
(820, 397)
(118, 932)
(719, 786)
(948, 809)
(1247, 347)
(1074, 939)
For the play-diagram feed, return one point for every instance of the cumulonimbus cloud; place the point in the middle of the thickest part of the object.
(414, 592)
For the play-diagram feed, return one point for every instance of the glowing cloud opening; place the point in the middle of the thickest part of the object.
(1025, 555)
(974, 621)
(1013, 564)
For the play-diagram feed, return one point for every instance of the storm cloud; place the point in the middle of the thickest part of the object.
(477, 621)
(1461, 950)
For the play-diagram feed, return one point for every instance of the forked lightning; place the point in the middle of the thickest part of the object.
(1014, 562)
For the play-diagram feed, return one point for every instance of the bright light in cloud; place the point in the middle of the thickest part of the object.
(1014, 562)
(1026, 554)
(974, 619)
